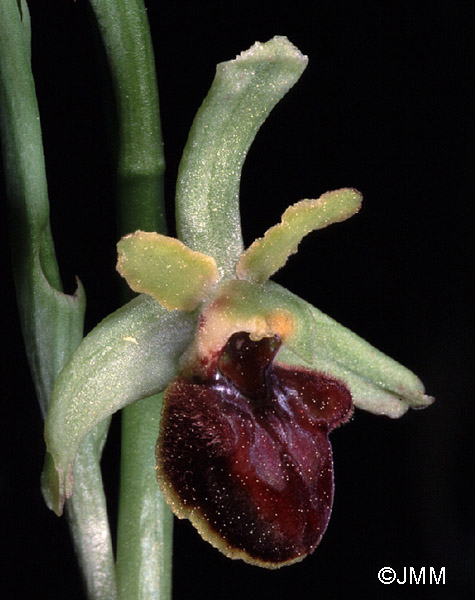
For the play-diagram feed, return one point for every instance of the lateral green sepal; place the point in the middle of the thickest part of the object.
(310, 339)
(130, 355)
(378, 384)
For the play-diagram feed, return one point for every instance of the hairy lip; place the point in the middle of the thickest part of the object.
(245, 455)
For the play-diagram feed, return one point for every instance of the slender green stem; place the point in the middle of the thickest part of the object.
(52, 322)
(125, 33)
(88, 521)
(144, 543)
(144, 552)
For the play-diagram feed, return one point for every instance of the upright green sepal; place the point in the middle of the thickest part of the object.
(241, 97)
(130, 355)
(163, 267)
(268, 254)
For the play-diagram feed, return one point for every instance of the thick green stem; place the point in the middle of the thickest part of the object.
(144, 543)
(52, 322)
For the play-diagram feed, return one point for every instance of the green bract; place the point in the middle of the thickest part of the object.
(137, 351)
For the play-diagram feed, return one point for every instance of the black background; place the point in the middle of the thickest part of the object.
(384, 107)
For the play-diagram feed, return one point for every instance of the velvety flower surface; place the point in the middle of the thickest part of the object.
(244, 451)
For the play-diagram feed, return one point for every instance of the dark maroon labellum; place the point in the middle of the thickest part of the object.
(245, 453)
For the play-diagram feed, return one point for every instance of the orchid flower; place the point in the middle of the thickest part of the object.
(254, 378)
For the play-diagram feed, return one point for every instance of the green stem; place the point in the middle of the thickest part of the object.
(144, 551)
(144, 543)
(126, 37)
(52, 322)
(88, 521)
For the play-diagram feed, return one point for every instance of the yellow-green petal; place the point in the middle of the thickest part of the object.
(268, 254)
(164, 268)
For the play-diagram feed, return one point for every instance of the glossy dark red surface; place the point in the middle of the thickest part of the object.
(248, 450)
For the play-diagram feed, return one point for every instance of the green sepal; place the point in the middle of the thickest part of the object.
(311, 339)
(89, 450)
(241, 97)
(130, 355)
(377, 383)
(268, 254)
(50, 487)
(163, 267)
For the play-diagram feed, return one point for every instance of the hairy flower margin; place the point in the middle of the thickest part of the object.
(255, 378)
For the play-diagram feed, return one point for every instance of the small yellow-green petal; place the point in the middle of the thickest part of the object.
(269, 253)
(164, 268)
